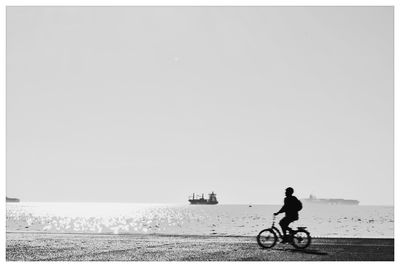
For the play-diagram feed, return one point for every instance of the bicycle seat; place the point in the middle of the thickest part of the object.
(302, 228)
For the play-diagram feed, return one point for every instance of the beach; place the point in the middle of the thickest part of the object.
(28, 246)
(149, 232)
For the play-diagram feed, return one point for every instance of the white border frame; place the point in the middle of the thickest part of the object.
(5, 3)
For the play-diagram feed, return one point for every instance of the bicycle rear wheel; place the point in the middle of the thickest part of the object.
(267, 238)
(301, 239)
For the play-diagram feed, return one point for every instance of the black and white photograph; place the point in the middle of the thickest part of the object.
(199, 133)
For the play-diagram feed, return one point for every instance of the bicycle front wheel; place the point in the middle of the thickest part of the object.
(267, 238)
(301, 239)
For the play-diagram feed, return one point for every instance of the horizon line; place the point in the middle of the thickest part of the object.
(184, 203)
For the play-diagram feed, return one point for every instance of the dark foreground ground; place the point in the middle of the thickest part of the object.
(81, 247)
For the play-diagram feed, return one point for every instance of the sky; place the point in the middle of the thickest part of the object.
(152, 104)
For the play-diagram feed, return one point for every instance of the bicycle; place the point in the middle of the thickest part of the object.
(299, 238)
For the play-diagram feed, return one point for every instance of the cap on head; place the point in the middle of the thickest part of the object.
(289, 191)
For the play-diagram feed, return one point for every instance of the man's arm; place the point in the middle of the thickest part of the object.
(283, 209)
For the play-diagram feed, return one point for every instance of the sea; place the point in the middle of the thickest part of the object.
(184, 219)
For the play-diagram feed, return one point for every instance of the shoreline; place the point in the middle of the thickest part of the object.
(28, 246)
(182, 235)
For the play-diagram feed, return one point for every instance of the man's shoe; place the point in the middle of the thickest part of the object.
(284, 240)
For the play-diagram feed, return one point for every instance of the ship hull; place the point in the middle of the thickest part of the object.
(12, 200)
(332, 202)
(199, 202)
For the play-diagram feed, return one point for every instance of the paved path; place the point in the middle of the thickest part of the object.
(82, 247)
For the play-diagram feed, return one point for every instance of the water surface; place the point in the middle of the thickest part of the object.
(128, 218)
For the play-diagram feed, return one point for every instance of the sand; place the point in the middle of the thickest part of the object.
(89, 247)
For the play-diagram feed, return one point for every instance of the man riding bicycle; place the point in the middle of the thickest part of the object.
(291, 207)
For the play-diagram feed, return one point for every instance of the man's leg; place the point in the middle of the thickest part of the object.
(284, 225)
(289, 221)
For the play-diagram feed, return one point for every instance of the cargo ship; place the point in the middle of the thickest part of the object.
(10, 199)
(333, 201)
(212, 199)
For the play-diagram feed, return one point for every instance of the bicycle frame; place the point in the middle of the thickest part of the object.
(277, 231)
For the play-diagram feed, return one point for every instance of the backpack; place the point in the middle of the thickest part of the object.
(299, 205)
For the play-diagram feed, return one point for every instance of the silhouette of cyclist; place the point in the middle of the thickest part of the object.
(291, 208)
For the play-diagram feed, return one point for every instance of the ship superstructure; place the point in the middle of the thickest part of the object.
(334, 201)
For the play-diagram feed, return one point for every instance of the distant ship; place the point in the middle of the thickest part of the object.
(10, 199)
(334, 201)
(212, 199)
